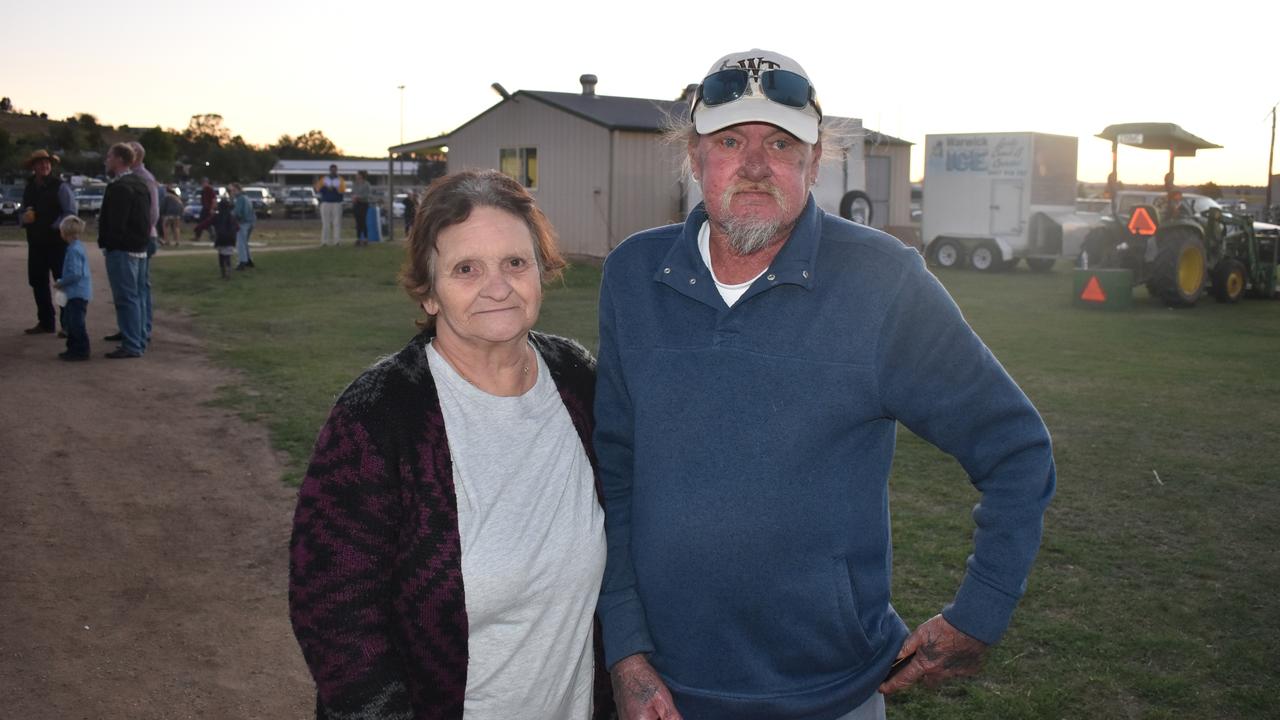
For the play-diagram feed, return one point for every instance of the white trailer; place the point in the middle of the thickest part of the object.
(842, 175)
(991, 199)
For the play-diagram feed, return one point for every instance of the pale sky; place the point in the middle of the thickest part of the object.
(907, 68)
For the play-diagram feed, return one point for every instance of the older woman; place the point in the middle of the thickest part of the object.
(448, 543)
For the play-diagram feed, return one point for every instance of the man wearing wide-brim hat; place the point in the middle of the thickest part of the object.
(45, 202)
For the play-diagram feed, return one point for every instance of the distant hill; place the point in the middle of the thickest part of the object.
(22, 126)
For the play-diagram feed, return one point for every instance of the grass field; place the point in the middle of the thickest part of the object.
(1153, 595)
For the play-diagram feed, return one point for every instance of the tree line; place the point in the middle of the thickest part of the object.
(206, 148)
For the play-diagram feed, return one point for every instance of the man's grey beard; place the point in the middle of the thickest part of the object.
(746, 235)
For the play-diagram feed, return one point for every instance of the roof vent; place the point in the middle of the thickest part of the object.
(588, 85)
(689, 93)
(497, 87)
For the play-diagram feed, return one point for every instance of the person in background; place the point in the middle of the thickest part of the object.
(224, 235)
(153, 244)
(46, 201)
(330, 189)
(448, 540)
(171, 217)
(361, 195)
(410, 209)
(245, 217)
(77, 284)
(755, 362)
(208, 201)
(124, 229)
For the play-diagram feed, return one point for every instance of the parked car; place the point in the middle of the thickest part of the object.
(191, 210)
(301, 202)
(10, 200)
(263, 203)
(89, 199)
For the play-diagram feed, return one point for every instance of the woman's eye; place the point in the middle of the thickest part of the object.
(463, 269)
(517, 262)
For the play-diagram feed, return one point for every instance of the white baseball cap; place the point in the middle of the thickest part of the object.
(757, 86)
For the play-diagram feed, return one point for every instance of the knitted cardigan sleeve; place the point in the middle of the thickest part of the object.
(341, 562)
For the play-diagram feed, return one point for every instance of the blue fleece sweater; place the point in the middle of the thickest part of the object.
(745, 454)
(75, 280)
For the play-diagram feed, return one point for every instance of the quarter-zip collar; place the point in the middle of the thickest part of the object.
(684, 271)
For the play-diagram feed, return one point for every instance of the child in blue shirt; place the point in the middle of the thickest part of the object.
(77, 285)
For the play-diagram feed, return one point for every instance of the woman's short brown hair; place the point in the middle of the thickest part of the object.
(449, 201)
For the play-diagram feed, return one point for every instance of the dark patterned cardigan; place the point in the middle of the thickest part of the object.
(375, 576)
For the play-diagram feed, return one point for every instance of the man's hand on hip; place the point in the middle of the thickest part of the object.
(639, 693)
(939, 652)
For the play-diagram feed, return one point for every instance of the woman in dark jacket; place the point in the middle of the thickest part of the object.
(224, 236)
(448, 543)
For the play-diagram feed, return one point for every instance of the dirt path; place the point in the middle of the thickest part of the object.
(143, 535)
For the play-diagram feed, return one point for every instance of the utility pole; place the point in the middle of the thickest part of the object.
(401, 89)
(1271, 157)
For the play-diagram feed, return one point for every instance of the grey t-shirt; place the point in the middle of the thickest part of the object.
(533, 547)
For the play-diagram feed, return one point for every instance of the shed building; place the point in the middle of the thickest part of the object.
(600, 167)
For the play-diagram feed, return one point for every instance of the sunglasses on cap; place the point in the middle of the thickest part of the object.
(781, 86)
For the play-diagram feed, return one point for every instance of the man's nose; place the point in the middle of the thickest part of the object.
(755, 165)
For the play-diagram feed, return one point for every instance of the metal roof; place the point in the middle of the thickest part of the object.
(346, 167)
(611, 112)
(615, 113)
(1157, 136)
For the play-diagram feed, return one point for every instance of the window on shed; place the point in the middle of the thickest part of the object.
(521, 164)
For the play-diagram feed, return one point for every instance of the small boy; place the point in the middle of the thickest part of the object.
(77, 285)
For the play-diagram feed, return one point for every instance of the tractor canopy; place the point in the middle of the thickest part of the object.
(1157, 136)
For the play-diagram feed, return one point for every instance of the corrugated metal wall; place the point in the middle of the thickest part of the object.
(646, 183)
(900, 182)
(573, 165)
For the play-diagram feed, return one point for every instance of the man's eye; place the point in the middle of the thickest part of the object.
(781, 144)
(729, 142)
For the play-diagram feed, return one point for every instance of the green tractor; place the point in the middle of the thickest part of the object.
(1180, 245)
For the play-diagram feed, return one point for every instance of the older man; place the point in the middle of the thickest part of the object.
(124, 229)
(46, 200)
(139, 168)
(754, 364)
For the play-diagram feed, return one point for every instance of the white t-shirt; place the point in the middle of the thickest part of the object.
(533, 547)
(730, 293)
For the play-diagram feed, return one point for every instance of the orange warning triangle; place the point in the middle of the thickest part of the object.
(1141, 223)
(1093, 291)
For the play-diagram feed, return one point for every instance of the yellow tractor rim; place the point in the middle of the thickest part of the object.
(1235, 284)
(1190, 270)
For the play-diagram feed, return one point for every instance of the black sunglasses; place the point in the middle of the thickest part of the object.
(781, 86)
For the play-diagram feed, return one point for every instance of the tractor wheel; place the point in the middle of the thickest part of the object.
(1040, 265)
(1178, 274)
(1228, 280)
(856, 206)
(986, 258)
(947, 253)
(1098, 248)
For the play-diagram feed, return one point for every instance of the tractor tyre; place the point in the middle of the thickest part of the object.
(1099, 249)
(1178, 274)
(1040, 265)
(947, 253)
(986, 257)
(1229, 280)
(856, 206)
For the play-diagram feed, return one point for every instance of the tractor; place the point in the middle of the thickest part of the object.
(1176, 245)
